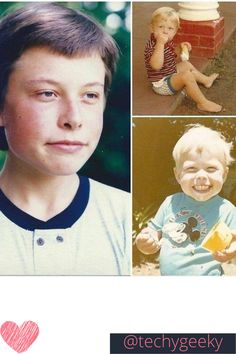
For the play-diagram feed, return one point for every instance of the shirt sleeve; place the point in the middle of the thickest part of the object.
(230, 218)
(148, 51)
(158, 221)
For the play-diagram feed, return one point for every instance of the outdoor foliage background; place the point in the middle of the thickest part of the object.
(110, 163)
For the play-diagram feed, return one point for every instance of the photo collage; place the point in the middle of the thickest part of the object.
(117, 174)
(68, 113)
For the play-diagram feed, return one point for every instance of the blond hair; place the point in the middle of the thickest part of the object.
(199, 138)
(165, 12)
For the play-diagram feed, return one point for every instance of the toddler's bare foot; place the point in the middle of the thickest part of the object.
(209, 106)
(210, 80)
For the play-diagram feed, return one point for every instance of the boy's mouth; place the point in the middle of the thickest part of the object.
(67, 142)
(67, 145)
(202, 188)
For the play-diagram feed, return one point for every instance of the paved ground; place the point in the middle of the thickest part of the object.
(223, 90)
(145, 101)
(153, 269)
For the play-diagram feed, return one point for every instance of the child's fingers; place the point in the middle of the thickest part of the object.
(231, 248)
(188, 45)
(161, 38)
(148, 248)
(220, 257)
(145, 239)
(233, 232)
(148, 233)
(152, 250)
(224, 256)
(147, 244)
(145, 231)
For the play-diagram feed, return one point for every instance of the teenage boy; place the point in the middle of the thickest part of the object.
(56, 66)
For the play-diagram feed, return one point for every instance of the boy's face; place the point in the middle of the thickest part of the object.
(201, 175)
(53, 112)
(164, 26)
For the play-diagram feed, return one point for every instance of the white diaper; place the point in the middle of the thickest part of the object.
(163, 86)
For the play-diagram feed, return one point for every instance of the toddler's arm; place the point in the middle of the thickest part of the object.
(157, 58)
(147, 241)
(229, 252)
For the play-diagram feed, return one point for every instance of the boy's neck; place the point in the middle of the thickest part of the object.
(40, 196)
(200, 201)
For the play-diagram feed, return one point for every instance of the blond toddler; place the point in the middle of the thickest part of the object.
(167, 76)
(202, 157)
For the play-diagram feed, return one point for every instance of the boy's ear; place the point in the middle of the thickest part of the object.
(176, 174)
(104, 103)
(225, 175)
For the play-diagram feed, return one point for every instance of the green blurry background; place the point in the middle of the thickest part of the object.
(110, 163)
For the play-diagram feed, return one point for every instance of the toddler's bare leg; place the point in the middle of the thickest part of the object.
(207, 81)
(187, 80)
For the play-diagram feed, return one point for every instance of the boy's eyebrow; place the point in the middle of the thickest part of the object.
(95, 83)
(54, 82)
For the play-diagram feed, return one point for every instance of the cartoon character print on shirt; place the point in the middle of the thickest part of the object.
(185, 226)
(180, 232)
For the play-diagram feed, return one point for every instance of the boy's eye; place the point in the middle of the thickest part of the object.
(211, 169)
(191, 169)
(90, 97)
(46, 95)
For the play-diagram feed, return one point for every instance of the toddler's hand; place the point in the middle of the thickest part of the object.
(189, 46)
(161, 38)
(147, 241)
(228, 253)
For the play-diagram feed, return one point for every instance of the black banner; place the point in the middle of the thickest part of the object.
(136, 343)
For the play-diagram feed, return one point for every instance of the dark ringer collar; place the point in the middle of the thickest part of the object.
(63, 220)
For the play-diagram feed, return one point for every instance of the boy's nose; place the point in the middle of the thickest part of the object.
(201, 176)
(70, 115)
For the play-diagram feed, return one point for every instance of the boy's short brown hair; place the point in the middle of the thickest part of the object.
(63, 30)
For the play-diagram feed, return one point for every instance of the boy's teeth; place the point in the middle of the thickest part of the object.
(201, 188)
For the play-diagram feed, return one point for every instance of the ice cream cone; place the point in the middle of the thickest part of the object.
(184, 55)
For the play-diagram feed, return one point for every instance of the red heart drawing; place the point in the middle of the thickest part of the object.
(19, 338)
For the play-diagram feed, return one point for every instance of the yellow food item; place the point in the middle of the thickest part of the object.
(218, 238)
(184, 52)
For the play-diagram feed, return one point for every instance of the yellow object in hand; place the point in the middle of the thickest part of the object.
(184, 55)
(218, 238)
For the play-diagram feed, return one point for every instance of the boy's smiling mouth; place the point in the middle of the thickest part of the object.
(202, 188)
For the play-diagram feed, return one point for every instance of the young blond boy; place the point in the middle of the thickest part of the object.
(56, 66)
(202, 157)
(167, 76)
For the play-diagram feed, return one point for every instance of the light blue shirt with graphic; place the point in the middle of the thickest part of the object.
(184, 223)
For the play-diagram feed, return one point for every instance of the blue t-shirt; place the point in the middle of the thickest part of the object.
(184, 223)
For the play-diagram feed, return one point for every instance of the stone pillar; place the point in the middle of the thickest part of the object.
(199, 11)
(202, 26)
